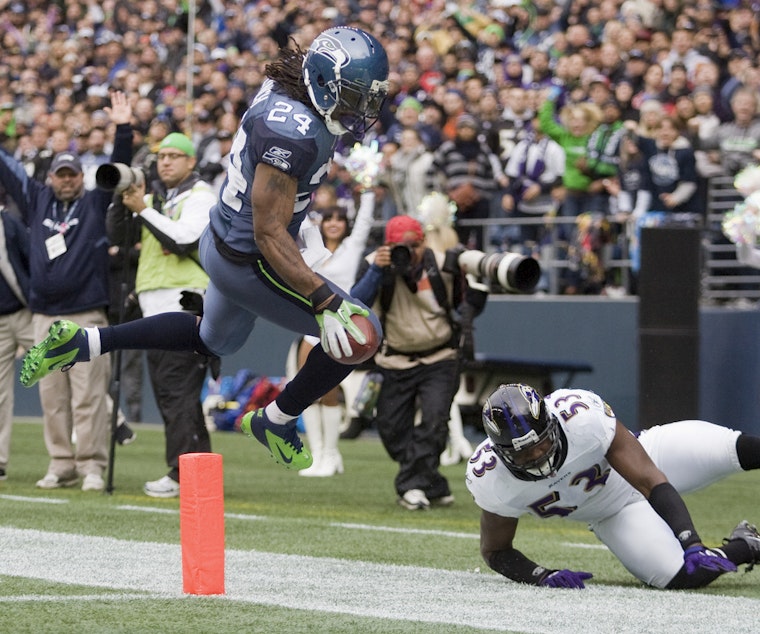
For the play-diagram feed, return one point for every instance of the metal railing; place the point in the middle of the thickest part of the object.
(723, 279)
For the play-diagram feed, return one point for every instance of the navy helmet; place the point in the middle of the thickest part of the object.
(346, 75)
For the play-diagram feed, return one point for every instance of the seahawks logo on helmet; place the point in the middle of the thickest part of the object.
(332, 49)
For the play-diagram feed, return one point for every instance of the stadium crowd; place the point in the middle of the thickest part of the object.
(613, 69)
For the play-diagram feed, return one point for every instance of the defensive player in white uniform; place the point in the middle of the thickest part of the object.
(567, 456)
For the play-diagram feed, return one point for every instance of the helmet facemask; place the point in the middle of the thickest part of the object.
(358, 109)
(539, 466)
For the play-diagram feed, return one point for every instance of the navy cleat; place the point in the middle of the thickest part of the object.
(65, 344)
(748, 534)
(282, 441)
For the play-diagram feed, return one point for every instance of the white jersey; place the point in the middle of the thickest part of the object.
(585, 486)
(692, 454)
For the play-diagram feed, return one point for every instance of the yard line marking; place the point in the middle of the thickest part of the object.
(147, 509)
(241, 516)
(412, 531)
(153, 509)
(100, 598)
(365, 589)
(24, 498)
(587, 546)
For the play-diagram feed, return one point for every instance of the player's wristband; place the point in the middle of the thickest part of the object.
(517, 567)
(669, 505)
(324, 298)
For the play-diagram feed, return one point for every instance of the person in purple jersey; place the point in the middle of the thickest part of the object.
(567, 456)
(251, 248)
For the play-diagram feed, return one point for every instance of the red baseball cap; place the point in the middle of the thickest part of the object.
(399, 226)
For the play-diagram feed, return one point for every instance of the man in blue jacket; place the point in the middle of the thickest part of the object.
(15, 318)
(69, 278)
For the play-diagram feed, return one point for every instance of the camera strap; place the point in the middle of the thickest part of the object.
(436, 281)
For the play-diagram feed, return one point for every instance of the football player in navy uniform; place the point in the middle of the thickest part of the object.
(567, 456)
(251, 249)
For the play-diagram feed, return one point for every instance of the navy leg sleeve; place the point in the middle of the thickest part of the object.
(167, 331)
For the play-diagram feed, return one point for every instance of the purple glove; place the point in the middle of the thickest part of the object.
(565, 579)
(696, 557)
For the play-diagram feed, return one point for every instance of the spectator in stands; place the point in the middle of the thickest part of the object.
(408, 115)
(677, 86)
(214, 171)
(702, 128)
(534, 170)
(651, 87)
(670, 177)
(577, 122)
(453, 106)
(470, 174)
(736, 143)
(737, 64)
(651, 114)
(408, 169)
(602, 159)
(623, 94)
(97, 153)
(599, 90)
(516, 117)
(682, 53)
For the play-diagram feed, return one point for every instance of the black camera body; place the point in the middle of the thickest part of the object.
(401, 259)
(513, 273)
(118, 177)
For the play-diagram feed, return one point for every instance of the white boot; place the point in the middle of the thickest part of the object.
(458, 447)
(332, 461)
(312, 421)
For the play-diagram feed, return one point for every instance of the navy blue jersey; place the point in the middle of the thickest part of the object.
(285, 134)
(77, 280)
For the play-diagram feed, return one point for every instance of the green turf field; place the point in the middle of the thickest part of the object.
(322, 555)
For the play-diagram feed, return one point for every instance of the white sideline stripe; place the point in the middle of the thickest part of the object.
(147, 509)
(69, 598)
(24, 498)
(364, 589)
(586, 546)
(411, 531)
(153, 509)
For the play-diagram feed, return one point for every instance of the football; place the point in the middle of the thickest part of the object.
(361, 352)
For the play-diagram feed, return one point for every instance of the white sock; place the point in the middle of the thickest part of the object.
(93, 339)
(276, 415)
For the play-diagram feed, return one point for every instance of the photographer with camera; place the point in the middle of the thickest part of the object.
(173, 215)
(69, 278)
(417, 303)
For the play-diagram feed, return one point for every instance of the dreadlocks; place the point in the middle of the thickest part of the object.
(287, 71)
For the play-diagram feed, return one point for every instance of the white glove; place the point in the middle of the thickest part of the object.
(311, 245)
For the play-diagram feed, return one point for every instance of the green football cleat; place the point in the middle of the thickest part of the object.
(65, 344)
(282, 441)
